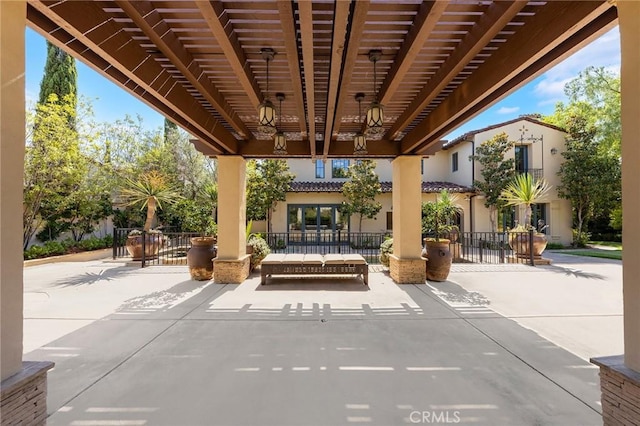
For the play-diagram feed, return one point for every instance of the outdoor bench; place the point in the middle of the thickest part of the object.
(314, 264)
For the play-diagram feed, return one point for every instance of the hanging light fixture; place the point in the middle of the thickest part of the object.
(359, 141)
(280, 140)
(375, 113)
(266, 110)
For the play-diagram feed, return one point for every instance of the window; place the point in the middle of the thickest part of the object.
(339, 168)
(454, 162)
(522, 158)
(319, 169)
(389, 221)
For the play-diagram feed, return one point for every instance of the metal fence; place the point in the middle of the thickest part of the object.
(170, 248)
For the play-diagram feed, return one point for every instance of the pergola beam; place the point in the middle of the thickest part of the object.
(361, 8)
(83, 28)
(498, 15)
(423, 24)
(339, 149)
(305, 13)
(215, 15)
(291, 48)
(504, 70)
(147, 18)
(339, 39)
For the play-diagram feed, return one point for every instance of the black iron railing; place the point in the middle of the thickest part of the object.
(170, 248)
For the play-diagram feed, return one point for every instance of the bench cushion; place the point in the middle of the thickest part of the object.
(293, 258)
(273, 259)
(313, 259)
(354, 259)
(333, 259)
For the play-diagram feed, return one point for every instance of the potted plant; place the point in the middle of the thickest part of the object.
(437, 220)
(198, 217)
(149, 191)
(525, 191)
(259, 249)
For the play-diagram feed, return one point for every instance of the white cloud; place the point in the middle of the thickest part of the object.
(508, 110)
(603, 52)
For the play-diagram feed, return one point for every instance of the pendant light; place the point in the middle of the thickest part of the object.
(359, 141)
(280, 140)
(266, 110)
(375, 113)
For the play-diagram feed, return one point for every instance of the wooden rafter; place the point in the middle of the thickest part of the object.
(340, 21)
(87, 22)
(214, 14)
(147, 18)
(423, 24)
(548, 29)
(584, 36)
(306, 35)
(353, 45)
(498, 15)
(291, 47)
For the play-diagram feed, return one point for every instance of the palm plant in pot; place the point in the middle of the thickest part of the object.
(524, 191)
(437, 220)
(150, 191)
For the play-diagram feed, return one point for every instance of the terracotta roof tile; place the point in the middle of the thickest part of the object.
(427, 187)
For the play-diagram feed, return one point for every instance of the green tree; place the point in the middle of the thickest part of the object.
(590, 178)
(524, 191)
(54, 166)
(60, 77)
(496, 173)
(267, 183)
(361, 190)
(594, 95)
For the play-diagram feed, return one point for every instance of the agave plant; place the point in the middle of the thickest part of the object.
(150, 191)
(524, 191)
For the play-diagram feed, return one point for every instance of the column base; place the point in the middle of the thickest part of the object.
(620, 388)
(231, 271)
(407, 271)
(23, 396)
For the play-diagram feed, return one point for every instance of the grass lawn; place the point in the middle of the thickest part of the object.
(611, 244)
(605, 254)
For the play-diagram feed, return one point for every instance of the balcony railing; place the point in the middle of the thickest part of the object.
(535, 173)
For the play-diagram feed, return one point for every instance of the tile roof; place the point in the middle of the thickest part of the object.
(470, 134)
(427, 187)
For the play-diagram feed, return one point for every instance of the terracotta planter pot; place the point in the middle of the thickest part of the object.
(520, 244)
(200, 258)
(152, 244)
(438, 260)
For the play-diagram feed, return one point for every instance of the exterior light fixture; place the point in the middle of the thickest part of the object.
(266, 110)
(375, 113)
(554, 151)
(280, 140)
(359, 141)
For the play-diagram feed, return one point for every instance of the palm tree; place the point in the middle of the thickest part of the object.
(439, 214)
(150, 191)
(524, 191)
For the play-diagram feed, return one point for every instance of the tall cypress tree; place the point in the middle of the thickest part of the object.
(60, 76)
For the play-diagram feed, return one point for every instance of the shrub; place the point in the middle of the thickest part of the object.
(386, 248)
(260, 249)
(555, 246)
(582, 240)
(55, 248)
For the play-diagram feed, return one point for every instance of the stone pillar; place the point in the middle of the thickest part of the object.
(232, 263)
(619, 375)
(23, 396)
(12, 116)
(406, 264)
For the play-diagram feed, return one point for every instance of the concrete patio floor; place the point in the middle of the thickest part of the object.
(152, 347)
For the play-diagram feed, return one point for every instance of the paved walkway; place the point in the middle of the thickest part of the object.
(151, 347)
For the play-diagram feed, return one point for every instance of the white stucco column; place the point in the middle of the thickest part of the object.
(406, 265)
(620, 374)
(629, 16)
(12, 116)
(232, 263)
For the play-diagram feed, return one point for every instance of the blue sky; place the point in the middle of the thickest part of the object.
(539, 96)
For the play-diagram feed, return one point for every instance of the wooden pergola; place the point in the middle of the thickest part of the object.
(200, 64)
